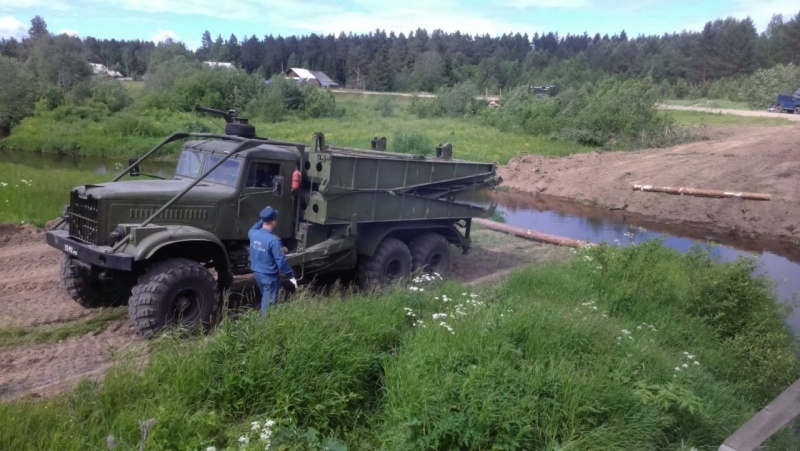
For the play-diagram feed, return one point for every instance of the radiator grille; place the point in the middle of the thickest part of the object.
(83, 218)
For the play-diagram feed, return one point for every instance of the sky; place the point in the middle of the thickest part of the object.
(185, 20)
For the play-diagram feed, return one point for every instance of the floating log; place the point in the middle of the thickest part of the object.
(532, 234)
(701, 192)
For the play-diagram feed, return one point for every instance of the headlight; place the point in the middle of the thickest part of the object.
(116, 235)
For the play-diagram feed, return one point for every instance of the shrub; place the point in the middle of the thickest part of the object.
(411, 142)
(110, 93)
(384, 106)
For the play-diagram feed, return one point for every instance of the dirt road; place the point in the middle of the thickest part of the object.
(756, 159)
(31, 298)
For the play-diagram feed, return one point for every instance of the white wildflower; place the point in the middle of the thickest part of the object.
(690, 357)
(587, 258)
(696, 362)
(677, 368)
(211, 448)
(685, 353)
(255, 425)
(685, 365)
(269, 424)
(439, 315)
(412, 288)
(244, 439)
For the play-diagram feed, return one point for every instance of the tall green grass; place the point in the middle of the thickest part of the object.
(35, 196)
(92, 131)
(597, 353)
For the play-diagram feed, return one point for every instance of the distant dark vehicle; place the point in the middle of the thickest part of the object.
(543, 91)
(788, 102)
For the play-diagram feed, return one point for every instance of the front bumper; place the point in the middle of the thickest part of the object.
(88, 253)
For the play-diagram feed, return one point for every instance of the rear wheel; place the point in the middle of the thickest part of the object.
(430, 253)
(797, 110)
(175, 292)
(89, 291)
(390, 264)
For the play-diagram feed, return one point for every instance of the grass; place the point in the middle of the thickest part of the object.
(18, 336)
(709, 103)
(88, 132)
(587, 354)
(29, 195)
(690, 118)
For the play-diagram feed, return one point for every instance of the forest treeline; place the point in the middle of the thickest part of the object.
(425, 60)
(627, 76)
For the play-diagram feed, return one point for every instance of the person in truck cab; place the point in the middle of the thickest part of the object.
(266, 259)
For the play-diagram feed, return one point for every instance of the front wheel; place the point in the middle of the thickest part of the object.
(174, 292)
(390, 264)
(797, 110)
(88, 291)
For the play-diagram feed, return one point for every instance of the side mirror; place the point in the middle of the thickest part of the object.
(277, 184)
(134, 171)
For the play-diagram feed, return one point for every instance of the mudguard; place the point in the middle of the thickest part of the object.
(145, 248)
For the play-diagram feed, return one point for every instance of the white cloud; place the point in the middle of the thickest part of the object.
(10, 27)
(68, 32)
(163, 35)
(761, 11)
(360, 16)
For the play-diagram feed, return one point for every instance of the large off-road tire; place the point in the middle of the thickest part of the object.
(174, 292)
(390, 264)
(430, 253)
(89, 292)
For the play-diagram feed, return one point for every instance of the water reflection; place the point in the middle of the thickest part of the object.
(780, 260)
(105, 166)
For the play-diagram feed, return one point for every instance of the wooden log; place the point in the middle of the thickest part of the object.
(532, 234)
(701, 192)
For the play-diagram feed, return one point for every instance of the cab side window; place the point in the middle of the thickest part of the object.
(260, 175)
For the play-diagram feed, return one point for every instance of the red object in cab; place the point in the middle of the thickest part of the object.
(296, 178)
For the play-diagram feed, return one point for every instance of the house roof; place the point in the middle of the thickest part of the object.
(324, 79)
(302, 73)
(305, 74)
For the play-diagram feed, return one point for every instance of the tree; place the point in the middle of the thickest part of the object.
(381, 76)
(38, 28)
(59, 60)
(17, 96)
(428, 71)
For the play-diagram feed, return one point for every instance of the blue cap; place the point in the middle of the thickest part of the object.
(269, 214)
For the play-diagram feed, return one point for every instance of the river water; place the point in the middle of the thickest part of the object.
(780, 260)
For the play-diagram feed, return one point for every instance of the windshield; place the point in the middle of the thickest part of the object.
(226, 174)
(189, 164)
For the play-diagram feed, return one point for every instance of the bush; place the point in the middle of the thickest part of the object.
(610, 113)
(110, 93)
(384, 106)
(457, 101)
(318, 102)
(411, 142)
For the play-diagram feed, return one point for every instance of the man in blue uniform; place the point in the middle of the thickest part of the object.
(267, 260)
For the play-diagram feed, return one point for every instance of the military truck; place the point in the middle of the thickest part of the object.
(170, 248)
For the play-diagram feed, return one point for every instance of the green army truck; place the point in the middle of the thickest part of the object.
(170, 248)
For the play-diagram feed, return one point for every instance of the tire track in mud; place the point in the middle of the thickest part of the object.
(31, 296)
